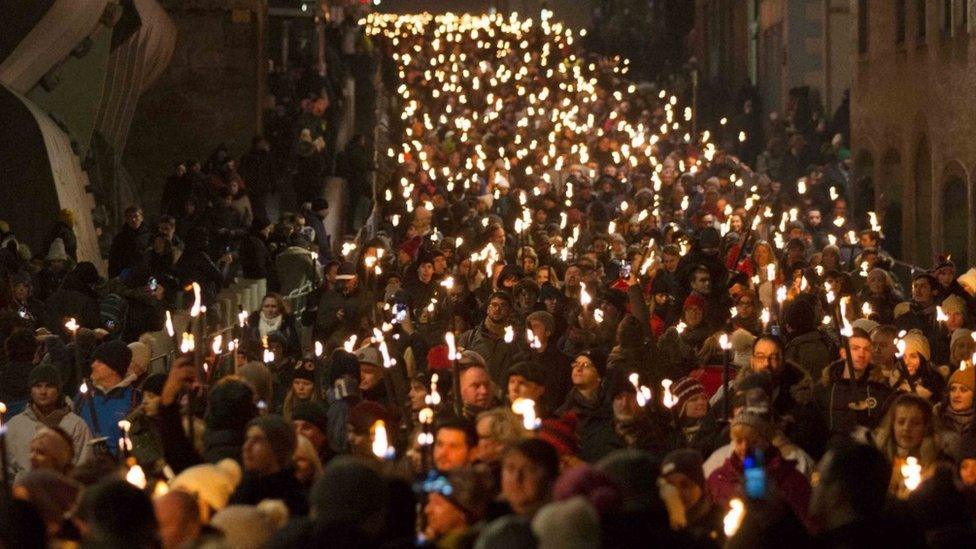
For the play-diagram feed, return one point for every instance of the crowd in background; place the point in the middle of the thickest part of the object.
(571, 322)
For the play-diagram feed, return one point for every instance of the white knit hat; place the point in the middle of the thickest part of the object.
(212, 483)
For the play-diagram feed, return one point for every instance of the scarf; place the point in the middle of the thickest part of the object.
(54, 418)
(958, 422)
(494, 328)
(268, 325)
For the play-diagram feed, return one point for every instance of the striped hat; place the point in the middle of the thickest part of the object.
(684, 390)
(561, 433)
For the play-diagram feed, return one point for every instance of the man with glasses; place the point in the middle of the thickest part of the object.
(746, 314)
(488, 338)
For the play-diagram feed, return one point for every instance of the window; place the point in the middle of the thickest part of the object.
(900, 26)
(862, 26)
(921, 20)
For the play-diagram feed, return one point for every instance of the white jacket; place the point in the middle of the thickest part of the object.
(21, 429)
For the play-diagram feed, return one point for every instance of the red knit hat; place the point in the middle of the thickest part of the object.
(561, 433)
(437, 358)
(695, 300)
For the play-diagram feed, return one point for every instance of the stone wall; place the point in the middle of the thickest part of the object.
(912, 126)
(211, 92)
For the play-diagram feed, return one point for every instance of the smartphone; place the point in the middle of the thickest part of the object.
(755, 476)
(625, 271)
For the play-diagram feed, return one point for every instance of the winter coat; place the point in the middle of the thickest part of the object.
(498, 355)
(294, 268)
(845, 404)
(288, 328)
(255, 258)
(726, 482)
(927, 382)
(111, 406)
(74, 299)
(594, 424)
(332, 300)
(14, 389)
(128, 249)
(23, 426)
(282, 485)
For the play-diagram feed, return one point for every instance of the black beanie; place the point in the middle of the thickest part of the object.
(343, 364)
(687, 462)
(154, 384)
(313, 412)
(280, 434)
(45, 372)
(599, 359)
(230, 405)
(114, 354)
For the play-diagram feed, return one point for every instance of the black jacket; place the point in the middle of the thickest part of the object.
(282, 485)
(128, 249)
(846, 404)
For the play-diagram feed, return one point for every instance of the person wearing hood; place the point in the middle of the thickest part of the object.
(130, 244)
(807, 345)
(269, 469)
(108, 396)
(47, 408)
(915, 372)
(49, 278)
(956, 412)
(77, 298)
(589, 401)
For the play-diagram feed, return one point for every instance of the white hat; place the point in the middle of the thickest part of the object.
(212, 483)
(249, 526)
(57, 252)
(968, 281)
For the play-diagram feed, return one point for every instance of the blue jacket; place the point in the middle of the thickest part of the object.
(110, 407)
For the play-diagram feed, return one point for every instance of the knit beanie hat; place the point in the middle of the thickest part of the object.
(507, 532)
(742, 341)
(570, 524)
(313, 412)
(342, 364)
(213, 483)
(865, 324)
(594, 485)
(684, 390)
(561, 434)
(154, 384)
(915, 341)
(954, 304)
(280, 435)
(304, 369)
(965, 377)
(687, 462)
(349, 492)
(114, 354)
(141, 355)
(44, 373)
(758, 418)
(250, 526)
(694, 300)
(959, 334)
(364, 414)
(598, 358)
(230, 405)
(968, 280)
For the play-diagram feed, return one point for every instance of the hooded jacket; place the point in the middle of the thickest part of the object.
(23, 426)
(110, 406)
(845, 404)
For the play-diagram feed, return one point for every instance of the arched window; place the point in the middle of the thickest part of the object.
(923, 205)
(955, 220)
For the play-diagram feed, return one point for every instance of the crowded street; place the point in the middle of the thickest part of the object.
(480, 282)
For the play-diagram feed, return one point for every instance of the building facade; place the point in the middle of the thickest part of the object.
(912, 123)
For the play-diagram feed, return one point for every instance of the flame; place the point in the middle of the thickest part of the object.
(350, 344)
(269, 356)
(534, 341)
(136, 477)
(911, 472)
(218, 343)
(770, 272)
(941, 315)
(764, 316)
(188, 344)
(643, 393)
(434, 398)
(598, 316)
(72, 325)
(525, 407)
(381, 445)
(733, 519)
(161, 489)
(448, 283)
(197, 301)
(452, 352)
(669, 399)
(680, 327)
(781, 294)
(83, 390)
(169, 325)
(318, 348)
(866, 310)
(509, 334)
(242, 318)
(724, 342)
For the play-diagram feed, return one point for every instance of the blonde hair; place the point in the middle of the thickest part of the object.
(304, 449)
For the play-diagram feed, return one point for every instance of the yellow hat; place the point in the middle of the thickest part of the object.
(917, 342)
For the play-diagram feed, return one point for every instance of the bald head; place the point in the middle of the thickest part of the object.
(178, 516)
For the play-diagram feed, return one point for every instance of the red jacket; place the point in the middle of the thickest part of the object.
(782, 479)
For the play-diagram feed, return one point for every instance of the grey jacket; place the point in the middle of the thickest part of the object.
(23, 426)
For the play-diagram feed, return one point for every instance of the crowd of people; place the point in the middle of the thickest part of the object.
(572, 322)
